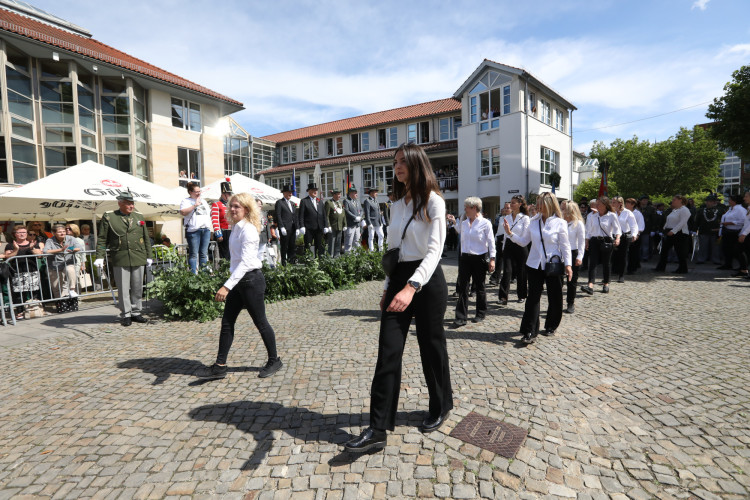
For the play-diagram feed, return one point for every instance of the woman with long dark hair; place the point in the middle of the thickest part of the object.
(415, 289)
(676, 234)
(629, 228)
(514, 255)
(602, 236)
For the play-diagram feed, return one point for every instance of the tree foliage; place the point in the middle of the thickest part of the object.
(731, 112)
(589, 189)
(685, 163)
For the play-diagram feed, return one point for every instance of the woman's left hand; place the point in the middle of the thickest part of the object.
(221, 295)
(569, 272)
(492, 265)
(617, 241)
(402, 300)
(579, 262)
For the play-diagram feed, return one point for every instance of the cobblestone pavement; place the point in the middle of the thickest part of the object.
(642, 394)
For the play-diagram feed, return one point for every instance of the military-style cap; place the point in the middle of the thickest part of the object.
(125, 196)
(371, 189)
(335, 190)
(226, 186)
(712, 197)
(352, 189)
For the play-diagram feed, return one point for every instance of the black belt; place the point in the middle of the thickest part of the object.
(482, 255)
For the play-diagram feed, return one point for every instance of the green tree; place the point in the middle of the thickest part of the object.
(685, 163)
(731, 112)
(589, 189)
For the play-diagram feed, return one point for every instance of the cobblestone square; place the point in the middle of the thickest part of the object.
(643, 393)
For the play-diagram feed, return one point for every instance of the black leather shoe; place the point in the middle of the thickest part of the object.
(588, 290)
(605, 289)
(528, 339)
(477, 319)
(548, 332)
(126, 321)
(571, 309)
(521, 301)
(503, 302)
(369, 439)
(621, 279)
(138, 319)
(459, 323)
(433, 423)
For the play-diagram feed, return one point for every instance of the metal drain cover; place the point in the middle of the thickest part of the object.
(498, 437)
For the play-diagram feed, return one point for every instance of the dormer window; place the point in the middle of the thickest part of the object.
(488, 100)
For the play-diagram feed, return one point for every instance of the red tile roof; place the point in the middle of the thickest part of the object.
(356, 158)
(35, 30)
(371, 120)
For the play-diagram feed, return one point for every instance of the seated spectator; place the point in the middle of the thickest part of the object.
(166, 241)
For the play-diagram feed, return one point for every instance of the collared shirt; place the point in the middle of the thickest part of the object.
(65, 258)
(628, 224)
(736, 216)
(598, 226)
(477, 237)
(554, 234)
(639, 220)
(423, 241)
(243, 249)
(746, 227)
(519, 223)
(577, 237)
(677, 220)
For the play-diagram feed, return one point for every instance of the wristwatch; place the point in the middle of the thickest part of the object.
(416, 285)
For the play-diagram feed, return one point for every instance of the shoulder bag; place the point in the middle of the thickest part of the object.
(607, 243)
(390, 258)
(554, 266)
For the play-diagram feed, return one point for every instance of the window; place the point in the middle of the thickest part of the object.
(335, 146)
(449, 128)
(559, 120)
(360, 142)
(20, 105)
(731, 173)
(387, 138)
(328, 181)
(236, 155)
(532, 103)
(188, 165)
(116, 108)
(310, 150)
(506, 99)
(288, 154)
(186, 115)
(489, 161)
(546, 118)
(329, 147)
(418, 132)
(547, 165)
(484, 101)
(380, 176)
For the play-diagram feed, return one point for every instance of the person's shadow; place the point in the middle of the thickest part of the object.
(261, 419)
(162, 368)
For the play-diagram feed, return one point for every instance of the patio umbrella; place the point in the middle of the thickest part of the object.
(242, 184)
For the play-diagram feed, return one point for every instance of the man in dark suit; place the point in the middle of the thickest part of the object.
(286, 217)
(311, 219)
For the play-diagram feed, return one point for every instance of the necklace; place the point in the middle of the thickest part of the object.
(705, 214)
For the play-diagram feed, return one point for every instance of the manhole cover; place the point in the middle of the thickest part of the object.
(498, 437)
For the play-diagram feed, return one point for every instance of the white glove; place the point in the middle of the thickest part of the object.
(283, 231)
(99, 262)
(326, 230)
(149, 262)
(302, 231)
(296, 233)
(363, 224)
(357, 219)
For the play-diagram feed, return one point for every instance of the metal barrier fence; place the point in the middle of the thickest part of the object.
(35, 280)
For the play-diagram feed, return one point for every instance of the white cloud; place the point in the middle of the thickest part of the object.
(700, 4)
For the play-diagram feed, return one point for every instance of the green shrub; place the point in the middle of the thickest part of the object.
(186, 296)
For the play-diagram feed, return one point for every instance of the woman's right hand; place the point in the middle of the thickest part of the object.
(506, 226)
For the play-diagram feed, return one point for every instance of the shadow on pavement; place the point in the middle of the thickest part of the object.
(162, 368)
(364, 314)
(261, 419)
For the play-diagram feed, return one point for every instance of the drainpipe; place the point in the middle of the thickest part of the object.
(572, 156)
(526, 120)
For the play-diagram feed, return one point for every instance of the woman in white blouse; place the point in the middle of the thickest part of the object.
(629, 228)
(548, 233)
(676, 234)
(245, 289)
(416, 289)
(577, 237)
(602, 236)
(477, 257)
(743, 240)
(515, 255)
(732, 224)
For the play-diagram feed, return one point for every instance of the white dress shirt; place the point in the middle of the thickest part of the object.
(598, 226)
(477, 237)
(628, 224)
(639, 220)
(518, 224)
(423, 241)
(677, 220)
(736, 216)
(243, 249)
(577, 237)
(555, 235)
(746, 227)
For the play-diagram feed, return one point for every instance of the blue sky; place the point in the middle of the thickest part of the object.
(293, 64)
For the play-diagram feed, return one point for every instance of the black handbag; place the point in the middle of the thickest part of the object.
(390, 257)
(554, 266)
(607, 242)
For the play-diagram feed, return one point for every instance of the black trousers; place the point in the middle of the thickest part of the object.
(572, 284)
(514, 262)
(681, 242)
(530, 320)
(428, 309)
(620, 256)
(495, 276)
(598, 256)
(314, 237)
(224, 244)
(247, 294)
(634, 255)
(730, 247)
(288, 246)
(472, 267)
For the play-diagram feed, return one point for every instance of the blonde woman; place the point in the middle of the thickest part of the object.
(245, 288)
(577, 238)
(629, 228)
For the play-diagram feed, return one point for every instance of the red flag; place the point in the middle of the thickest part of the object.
(603, 183)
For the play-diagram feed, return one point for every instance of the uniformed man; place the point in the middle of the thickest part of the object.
(311, 219)
(336, 222)
(708, 220)
(220, 221)
(353, 211)
(286, 217)
(124, 233)
(373, 219)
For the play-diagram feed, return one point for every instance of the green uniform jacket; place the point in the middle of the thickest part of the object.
(126, 237)
(337, 222)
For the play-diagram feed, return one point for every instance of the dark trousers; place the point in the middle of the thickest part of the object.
(598, 256)
(730, 246)
(571, 291)
(514, 262)
(288, 248)
(247, 294)
(620, 256)
(428, 309)
(334, 242)
(537, 280)
(680, 241)
(495, 276)
(744, 255)
(223, 245)
(314, 237)
(471, 267)
(634, 255)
